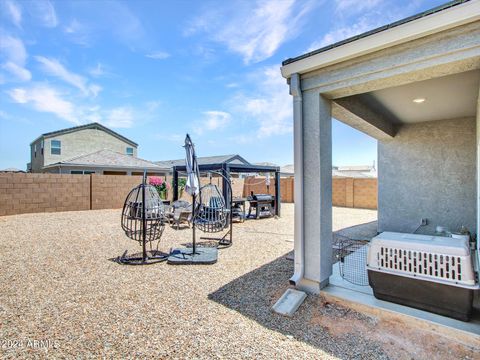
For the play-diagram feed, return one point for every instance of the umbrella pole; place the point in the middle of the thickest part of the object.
(194, 247)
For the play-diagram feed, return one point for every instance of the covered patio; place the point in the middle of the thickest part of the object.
(414, 86)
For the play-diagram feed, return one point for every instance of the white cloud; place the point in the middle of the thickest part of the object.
(14, 11)
(353, 17)
(78, 33)
(45, 99)
(158, 55)
(254, 32)
(94, 89)
(55, 68)
(120, 117)
(151, 106)
(19, 72)
(269, 105)
(44, 11)
(13, 49)
(176, 138)
(97, 71)
(125, 25)
(355, 6)
(213, 120)
(73, 27)
(13, 57)
(344, 32)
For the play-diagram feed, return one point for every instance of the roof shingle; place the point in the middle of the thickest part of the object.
(111, 159)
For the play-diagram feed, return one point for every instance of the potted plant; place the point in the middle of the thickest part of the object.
(161, 185)
(181, 186)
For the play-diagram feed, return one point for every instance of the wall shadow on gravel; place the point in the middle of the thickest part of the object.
(254, 293)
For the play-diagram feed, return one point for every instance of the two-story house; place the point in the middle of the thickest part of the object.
(86, 149)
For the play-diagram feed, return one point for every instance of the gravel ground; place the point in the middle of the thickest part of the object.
(60, 287)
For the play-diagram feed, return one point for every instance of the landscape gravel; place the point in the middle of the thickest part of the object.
(63, 297)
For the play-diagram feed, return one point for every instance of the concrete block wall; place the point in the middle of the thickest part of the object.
(339, 192)
(31, 193)
(110, 191)
(28, 193)
(258, 186)
(346, 192)
(355, 193)
(365, 193)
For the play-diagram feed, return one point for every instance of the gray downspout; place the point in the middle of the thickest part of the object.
(299, 248)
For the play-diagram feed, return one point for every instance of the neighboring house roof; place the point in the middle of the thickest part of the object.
(355, 171)
(12, 170)
(355, 168)
(220, 159)
(362, 171)
(109, 159)
(83, 127)
(287, 170)
(265, 163)
(354, 174)
(449, 15)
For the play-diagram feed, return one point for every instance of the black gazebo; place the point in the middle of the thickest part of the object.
(228, 168)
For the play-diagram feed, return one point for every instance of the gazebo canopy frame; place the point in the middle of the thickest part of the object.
(226, 169)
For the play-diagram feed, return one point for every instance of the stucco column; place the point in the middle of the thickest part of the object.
(478, 179)
(317, 190)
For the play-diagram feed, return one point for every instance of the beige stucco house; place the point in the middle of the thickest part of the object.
(414, 86)
(86, 149)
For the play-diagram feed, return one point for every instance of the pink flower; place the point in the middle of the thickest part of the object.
(156, 181)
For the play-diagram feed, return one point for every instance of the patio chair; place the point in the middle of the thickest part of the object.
(211, 214)
(181, 213)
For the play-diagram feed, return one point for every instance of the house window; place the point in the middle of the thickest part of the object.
(56, 147)
(82, 172)
(41, 147)
(35, 150)
(130, 151)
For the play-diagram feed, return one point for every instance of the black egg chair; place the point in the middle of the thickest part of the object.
(143, 220)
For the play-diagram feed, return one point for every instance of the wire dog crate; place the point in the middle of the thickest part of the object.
(352, 258)
(432, 273)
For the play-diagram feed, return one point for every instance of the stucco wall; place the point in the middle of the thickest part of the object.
(428, 170)
(84, 142)
(36, 161)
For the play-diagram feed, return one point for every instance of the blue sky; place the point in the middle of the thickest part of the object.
(154, 70)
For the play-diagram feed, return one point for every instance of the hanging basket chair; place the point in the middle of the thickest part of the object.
(211, 214)
(132, 214)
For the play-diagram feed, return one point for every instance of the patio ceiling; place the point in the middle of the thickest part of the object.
(379, 113)
(447, 97)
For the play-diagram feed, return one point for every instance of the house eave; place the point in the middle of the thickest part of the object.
(105, 166)
(461, 14)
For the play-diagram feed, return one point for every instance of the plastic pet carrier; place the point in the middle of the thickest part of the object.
(431, 273)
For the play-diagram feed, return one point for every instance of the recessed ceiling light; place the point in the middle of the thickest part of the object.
(419, 100)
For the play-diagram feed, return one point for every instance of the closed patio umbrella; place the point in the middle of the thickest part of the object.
(202, 255)
(192, 186)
